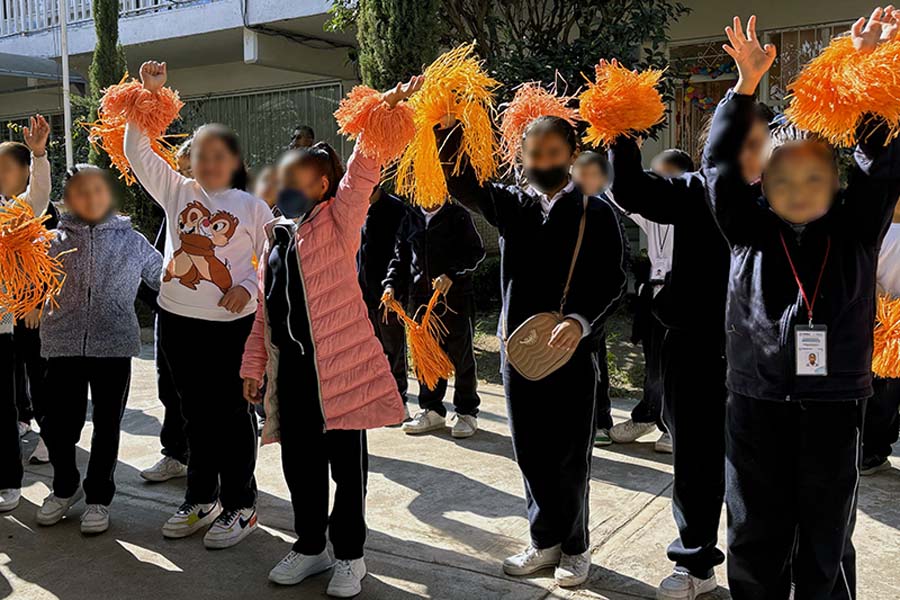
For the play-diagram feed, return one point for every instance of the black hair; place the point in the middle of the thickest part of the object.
(82, 169)
(761, 113)
(558, 126)
(18, 151)
(322, 157)
(787, 135)
(677, 158)
(301, 131)
(589, 157)
(227, 136)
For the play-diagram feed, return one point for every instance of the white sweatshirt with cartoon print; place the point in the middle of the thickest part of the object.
(212, 238)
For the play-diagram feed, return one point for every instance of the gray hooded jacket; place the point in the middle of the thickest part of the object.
(96, 315)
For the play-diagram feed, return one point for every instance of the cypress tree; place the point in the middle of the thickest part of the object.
(108, 64)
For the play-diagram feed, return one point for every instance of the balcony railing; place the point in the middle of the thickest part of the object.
(27, 16)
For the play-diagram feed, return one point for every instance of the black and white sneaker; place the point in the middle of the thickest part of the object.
(230, 528)
(190, 518)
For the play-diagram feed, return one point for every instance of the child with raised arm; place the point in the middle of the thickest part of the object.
(206, 305)
(328, 380)
(801, 302)
(25, 174)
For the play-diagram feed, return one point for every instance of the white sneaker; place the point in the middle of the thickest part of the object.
(95, 519)
(346, 581)
(464, 426)
(423, 422)
(664, 444)
(629, 431)
(190, 518)
(40, 456)
(296, 567)
(165, 469)
(54, 509)
(532, 560)
(573, 569)
(230, 528)
(681, 585)
(9, 499)
(24, 428)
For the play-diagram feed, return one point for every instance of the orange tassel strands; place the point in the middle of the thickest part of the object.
(530, 102)
(886, 356)
(620, 102)
(387, 130)
(29, 274)
(841, 87)
(455, 84)
(151, 112)
(430, 362)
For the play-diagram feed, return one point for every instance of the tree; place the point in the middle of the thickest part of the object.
(108, 64)
(396, 38)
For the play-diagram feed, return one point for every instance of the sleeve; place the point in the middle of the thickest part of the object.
(637, 219)
(262, 214)
(159, 179)
(733, 200)
(151, 269)
(593, 299)
(397, 275)
(873, 184)
(636, 191)
(351, 203)
(470, 248)
(38, 193)
(491, 200)
(253, 362)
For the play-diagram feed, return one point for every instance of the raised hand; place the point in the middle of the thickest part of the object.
(442, 284)
(882, 26)
(251, 391)
(153, 75)
(36, 135)
(403, 90)
(752, 59)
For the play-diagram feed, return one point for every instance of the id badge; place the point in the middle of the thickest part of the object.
(811, 344)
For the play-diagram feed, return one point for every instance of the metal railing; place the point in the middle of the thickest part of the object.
(28, 16)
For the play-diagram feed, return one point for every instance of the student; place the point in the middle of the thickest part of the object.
(439, 249)
(591, 174)
(802, 283)
(379, 236)
(691, 306)
(266, 186)
(539, 222)
(24, 173)
(647, 415)
(302, 137)
(206, 304)
(172, 435)
(882, 427)
(88, 337)
(328, 378)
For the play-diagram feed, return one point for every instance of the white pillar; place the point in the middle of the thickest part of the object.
(67, 100)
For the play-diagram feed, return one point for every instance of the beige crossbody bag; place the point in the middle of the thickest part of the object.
(526, 349)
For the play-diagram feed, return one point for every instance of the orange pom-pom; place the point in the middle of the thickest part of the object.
(841, 87)
(886, 355)
(151, 112)
(430, 362)
(530, 102)
(620, 102)
(29, 274)
(382, 132)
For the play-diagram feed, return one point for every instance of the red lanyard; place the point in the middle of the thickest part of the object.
(809, 305)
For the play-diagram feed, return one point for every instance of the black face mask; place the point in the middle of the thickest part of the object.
(294, 204)
(548, 179)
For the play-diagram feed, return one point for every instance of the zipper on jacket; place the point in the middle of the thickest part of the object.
(90, 287)
(309, 320)
(287, 296)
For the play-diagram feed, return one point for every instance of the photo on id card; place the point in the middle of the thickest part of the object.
(810, 345)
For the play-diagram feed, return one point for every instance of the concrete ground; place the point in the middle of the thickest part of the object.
(442, 515)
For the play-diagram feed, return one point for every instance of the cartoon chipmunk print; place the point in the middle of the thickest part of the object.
(201, 232)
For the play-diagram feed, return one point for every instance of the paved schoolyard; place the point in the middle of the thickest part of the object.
(442, 515)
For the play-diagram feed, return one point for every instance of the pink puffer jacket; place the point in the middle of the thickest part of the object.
(356, 388)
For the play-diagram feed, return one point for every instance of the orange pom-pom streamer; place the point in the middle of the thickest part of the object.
(455, 84)
(29, 275)
(151, 112)
(620, 102)
(430, 362)
(886, 355)
(841, 87)
(530, 102)
(382, 132)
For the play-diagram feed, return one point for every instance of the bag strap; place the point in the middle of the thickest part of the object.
(581, 227)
